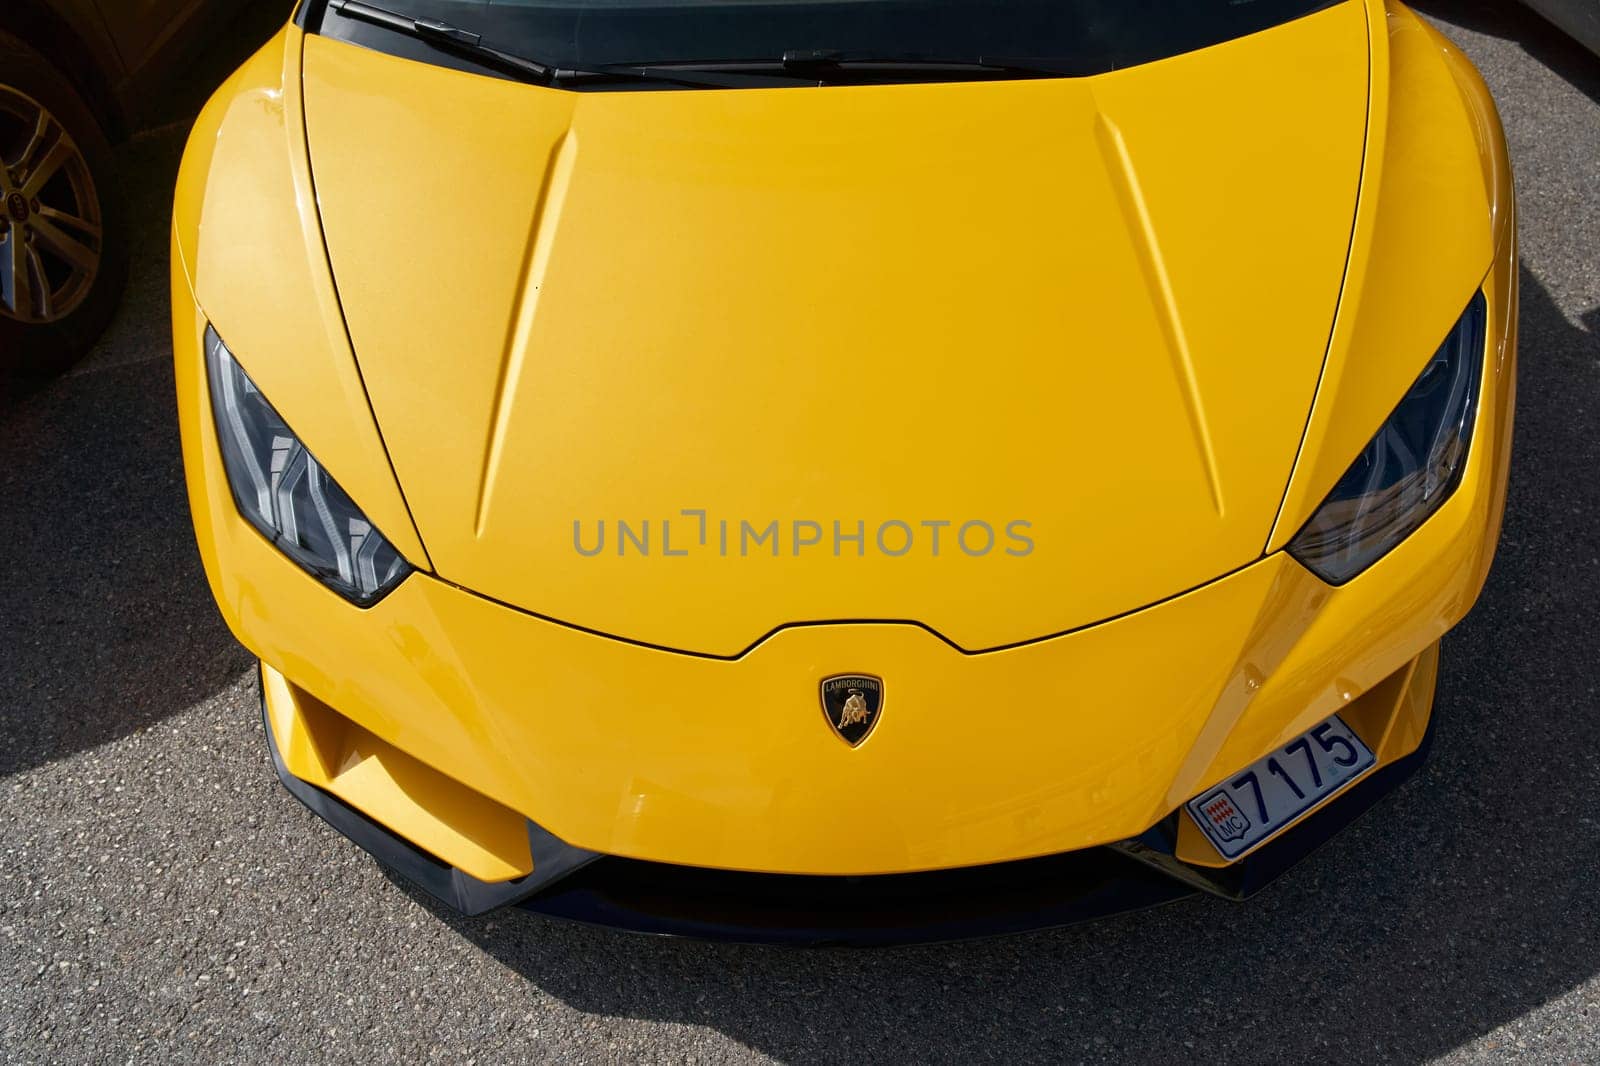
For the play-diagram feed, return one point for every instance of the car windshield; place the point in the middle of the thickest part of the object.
(1063, 37)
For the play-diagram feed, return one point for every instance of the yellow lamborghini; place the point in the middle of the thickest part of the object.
(867, 470)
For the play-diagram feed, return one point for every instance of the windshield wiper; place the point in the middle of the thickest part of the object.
(794, 68)
(829, 67)
(448, 36)
(453, 38)
(824, 63)
(696, 75)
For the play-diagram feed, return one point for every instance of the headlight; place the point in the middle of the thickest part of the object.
(285, 493)
(1410, 468)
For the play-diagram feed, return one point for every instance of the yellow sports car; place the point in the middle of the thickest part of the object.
(868, 470)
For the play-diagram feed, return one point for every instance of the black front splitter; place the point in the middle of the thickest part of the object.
(962, 904)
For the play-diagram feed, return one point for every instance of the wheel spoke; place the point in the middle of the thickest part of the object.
(46, 304)
(41, 131)
(82, 225)
(80, 255)
(59, 153)
(16, 288)
(42, 124)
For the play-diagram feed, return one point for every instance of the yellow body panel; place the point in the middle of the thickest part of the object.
(723, 759)
(1008, 301)
(244, 185)
(439, 815)
(1059, 744)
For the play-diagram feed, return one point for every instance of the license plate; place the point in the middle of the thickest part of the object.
(1274, 792)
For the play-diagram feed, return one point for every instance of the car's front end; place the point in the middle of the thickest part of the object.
(856, 511)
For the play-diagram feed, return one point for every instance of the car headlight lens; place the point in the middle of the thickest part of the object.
(285, 493)
(1410, 468)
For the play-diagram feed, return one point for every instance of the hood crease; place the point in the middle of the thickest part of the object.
(546, 220)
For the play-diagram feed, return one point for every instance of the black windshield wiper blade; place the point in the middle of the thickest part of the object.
(794, 68)
(694, 75)
(448, 36)
(823, 66)
(462, 41)
(824, 62)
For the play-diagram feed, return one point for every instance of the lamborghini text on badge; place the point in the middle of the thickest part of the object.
(852, 703)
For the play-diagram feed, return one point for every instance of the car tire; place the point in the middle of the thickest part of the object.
(63, 248)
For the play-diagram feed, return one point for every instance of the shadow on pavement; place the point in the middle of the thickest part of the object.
(106, 623)
(1414, 932)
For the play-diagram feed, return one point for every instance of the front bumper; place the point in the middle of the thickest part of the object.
(672, 900)
(447, 721)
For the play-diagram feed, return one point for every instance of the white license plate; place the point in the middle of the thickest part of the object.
(1274, 792)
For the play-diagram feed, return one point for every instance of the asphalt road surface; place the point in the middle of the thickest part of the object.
(163, 899)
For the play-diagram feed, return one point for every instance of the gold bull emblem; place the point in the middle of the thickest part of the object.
(855, 710)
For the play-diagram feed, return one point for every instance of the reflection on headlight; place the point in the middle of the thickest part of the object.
(1409, 469)
(285, 493)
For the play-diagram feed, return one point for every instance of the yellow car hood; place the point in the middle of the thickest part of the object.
(1089, 314)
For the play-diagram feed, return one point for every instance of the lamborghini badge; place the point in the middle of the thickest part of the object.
(852, 704)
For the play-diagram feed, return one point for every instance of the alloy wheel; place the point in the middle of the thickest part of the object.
(51, 229)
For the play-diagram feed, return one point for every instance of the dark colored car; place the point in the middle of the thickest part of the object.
(1580, 18)
(75, 76)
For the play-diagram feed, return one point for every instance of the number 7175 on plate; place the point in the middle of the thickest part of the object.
(1276, 791)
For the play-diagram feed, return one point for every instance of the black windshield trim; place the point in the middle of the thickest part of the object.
(629, 72)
